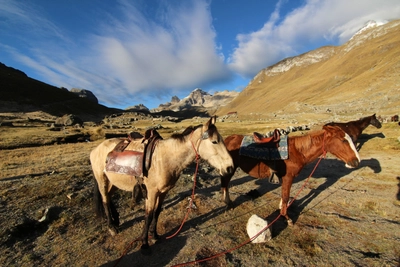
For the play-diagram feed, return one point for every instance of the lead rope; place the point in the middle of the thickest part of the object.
(194, 186)
(266, 227)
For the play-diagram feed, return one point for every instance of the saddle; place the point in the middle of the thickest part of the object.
(273, 140)
(133, 162)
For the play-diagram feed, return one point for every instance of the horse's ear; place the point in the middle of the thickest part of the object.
(211, 121)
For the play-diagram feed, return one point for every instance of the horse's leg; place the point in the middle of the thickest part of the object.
(137, 195)
(110, 210)
(148, 218)
(286, 185)
(157, 211)
(113, 209)
(225, 189)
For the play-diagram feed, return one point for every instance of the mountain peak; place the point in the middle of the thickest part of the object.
(199, 98)
(370, 24)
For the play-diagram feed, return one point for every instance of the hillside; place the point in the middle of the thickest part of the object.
(22, 94)
(358, 77)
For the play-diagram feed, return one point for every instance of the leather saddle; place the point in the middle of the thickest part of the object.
(131, 162)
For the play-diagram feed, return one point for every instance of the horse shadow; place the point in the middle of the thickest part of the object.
(324, 170)
(363, 138)
(163, 253)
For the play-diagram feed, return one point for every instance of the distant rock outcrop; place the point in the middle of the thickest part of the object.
(138, 108)
(198, 98)
(175, 100)
(85, 94)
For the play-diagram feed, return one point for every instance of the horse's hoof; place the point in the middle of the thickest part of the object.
(155, 236)
(229, 206)
(113, 231)
(290, 222)
(145, 249)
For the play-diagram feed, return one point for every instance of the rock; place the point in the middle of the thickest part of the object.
(254, 225)
(68, 120)
(85, 94)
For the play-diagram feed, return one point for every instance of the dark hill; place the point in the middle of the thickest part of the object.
(20, 93)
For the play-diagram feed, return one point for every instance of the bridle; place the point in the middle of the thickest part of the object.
(204, 136)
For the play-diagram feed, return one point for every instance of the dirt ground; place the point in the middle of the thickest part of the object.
(342, 217)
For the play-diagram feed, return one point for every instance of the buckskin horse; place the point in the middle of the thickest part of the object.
(169, 158)
(301, 150)
(355, 128)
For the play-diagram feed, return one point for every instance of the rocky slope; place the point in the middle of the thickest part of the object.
(198, 98)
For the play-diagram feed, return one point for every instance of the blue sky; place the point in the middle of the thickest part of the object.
(146, 51)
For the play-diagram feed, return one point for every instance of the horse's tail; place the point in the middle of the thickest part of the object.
(98, 202)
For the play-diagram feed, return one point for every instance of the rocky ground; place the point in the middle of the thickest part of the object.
(341, 217)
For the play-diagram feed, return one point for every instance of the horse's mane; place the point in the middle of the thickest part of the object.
(361, 120)
(181, 136)
(187, 131)
(305, 142)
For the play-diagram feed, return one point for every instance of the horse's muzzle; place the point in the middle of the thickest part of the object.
(353, 163)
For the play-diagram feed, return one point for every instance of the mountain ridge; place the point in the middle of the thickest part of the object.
(354, 78)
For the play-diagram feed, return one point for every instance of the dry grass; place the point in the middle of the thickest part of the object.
(342, 218)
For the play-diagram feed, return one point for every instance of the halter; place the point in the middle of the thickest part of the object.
(204, 136)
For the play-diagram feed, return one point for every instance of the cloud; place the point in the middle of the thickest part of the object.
(316, 21)
(148, 55)
(130, 54)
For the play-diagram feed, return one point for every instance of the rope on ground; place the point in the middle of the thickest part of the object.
(260, 232)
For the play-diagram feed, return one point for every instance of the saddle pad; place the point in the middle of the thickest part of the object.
(251, 149)
(126, 162)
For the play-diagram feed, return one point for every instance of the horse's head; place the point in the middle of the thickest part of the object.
(375, 122)
(340, 144)
(211, 147)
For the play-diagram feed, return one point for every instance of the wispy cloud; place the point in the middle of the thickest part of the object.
(131, 54)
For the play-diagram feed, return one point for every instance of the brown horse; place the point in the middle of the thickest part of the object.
(355, 128)
(169, 158)
(301, 151)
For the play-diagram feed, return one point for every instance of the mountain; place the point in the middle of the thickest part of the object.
(358, 77)
(22, 94)
(198, 99)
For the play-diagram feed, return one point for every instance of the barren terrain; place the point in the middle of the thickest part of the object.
(342, 217)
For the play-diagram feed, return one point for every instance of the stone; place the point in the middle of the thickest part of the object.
(254, 225)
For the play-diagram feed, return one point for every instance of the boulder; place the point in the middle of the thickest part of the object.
(254, 225)
(68, 120)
